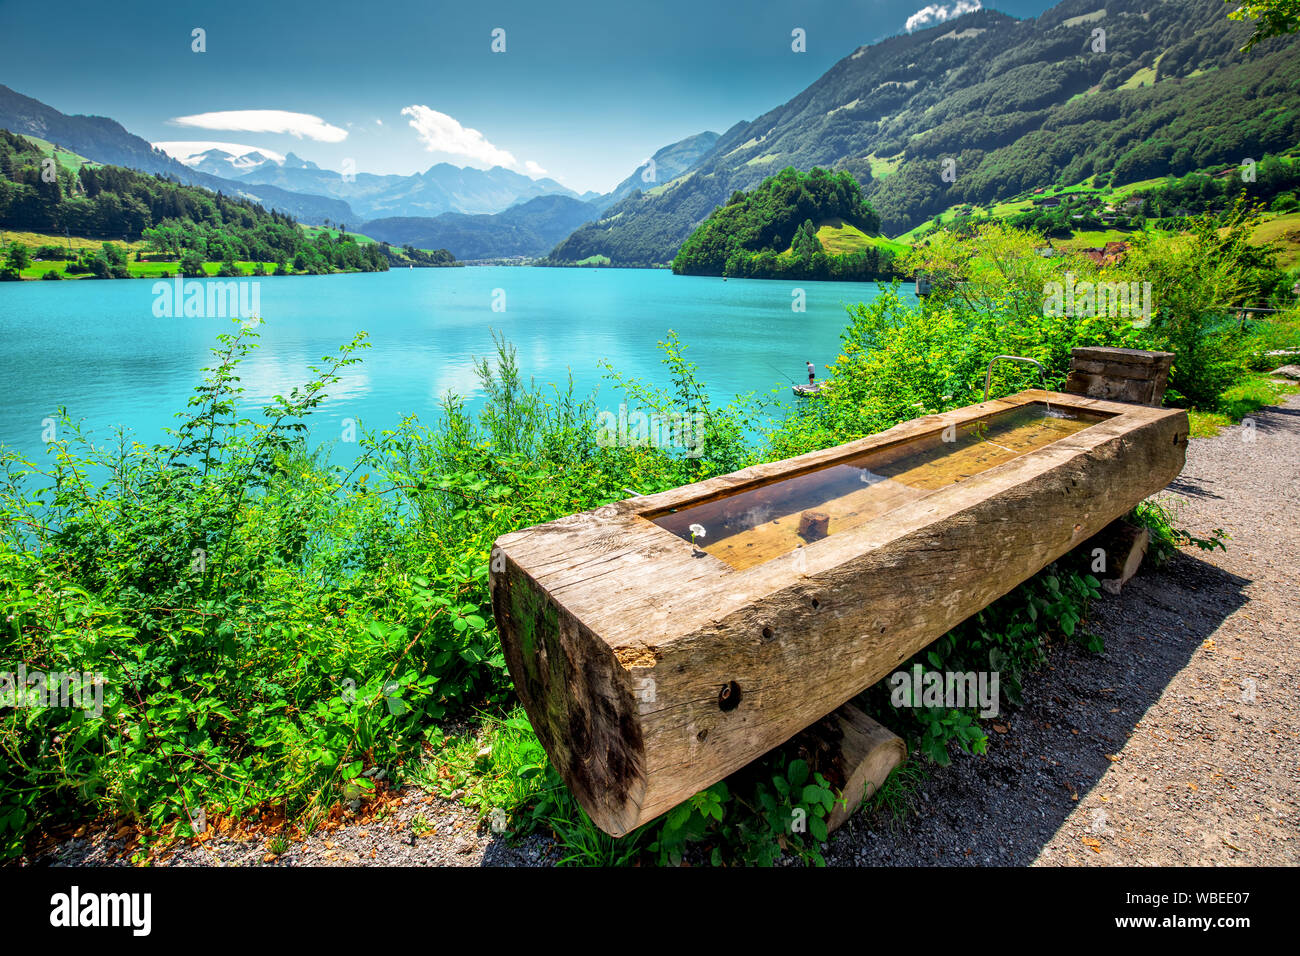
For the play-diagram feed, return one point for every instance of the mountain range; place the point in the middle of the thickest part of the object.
(293, 185)
(1133, 90)
(439, 189)
(527, 229)
(535, 226)
(492, 213)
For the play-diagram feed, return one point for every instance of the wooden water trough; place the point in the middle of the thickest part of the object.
(662, 642)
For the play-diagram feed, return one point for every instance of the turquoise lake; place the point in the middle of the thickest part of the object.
(97, 347)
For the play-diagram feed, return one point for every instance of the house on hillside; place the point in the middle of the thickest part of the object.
(1110, 254)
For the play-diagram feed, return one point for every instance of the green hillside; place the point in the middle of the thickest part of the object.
(1091, 215)
(1284, 232)
(156, 227)
(67, 159)
(773, 231)
(1015, 105)
(838, 237)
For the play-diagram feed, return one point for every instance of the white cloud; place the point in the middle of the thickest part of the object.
(441, 133)
(187, 150)
(267, 121)
(938, 13)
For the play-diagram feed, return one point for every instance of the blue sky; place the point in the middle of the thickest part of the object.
(584, 90)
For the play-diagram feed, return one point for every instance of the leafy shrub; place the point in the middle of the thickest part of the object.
(266, 625)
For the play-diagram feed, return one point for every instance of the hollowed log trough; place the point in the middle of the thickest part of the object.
(654, 660)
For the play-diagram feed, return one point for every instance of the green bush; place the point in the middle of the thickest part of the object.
(265, 624)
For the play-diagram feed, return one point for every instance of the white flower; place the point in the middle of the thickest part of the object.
(698, 530)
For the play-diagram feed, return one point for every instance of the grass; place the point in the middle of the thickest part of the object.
(1207, 424)
(1120, 192)
(1084, 187)
(896, 798)
(1085, 18)
(1146, 76)
(1285, 231)
(66, 158)
(162, 269)
(1010, 208)
(664, 187)
(156, 269)
(361, 240)
(747, 144)
(34, 239)
(596, 260)
(839, 237)
(913, 234)
(499, 766)
(1257, 391)
(1097, 237)
(880, 168)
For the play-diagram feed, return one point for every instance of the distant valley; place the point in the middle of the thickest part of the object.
(473, 213)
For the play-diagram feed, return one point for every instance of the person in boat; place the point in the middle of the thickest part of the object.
(812, 373)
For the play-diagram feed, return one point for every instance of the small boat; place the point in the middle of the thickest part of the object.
(810, 391)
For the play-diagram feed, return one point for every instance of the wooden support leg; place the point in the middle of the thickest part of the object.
(854, 753)
(1123, 545)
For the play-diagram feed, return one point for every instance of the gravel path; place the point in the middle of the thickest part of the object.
(412, 829)
(1177, 745)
